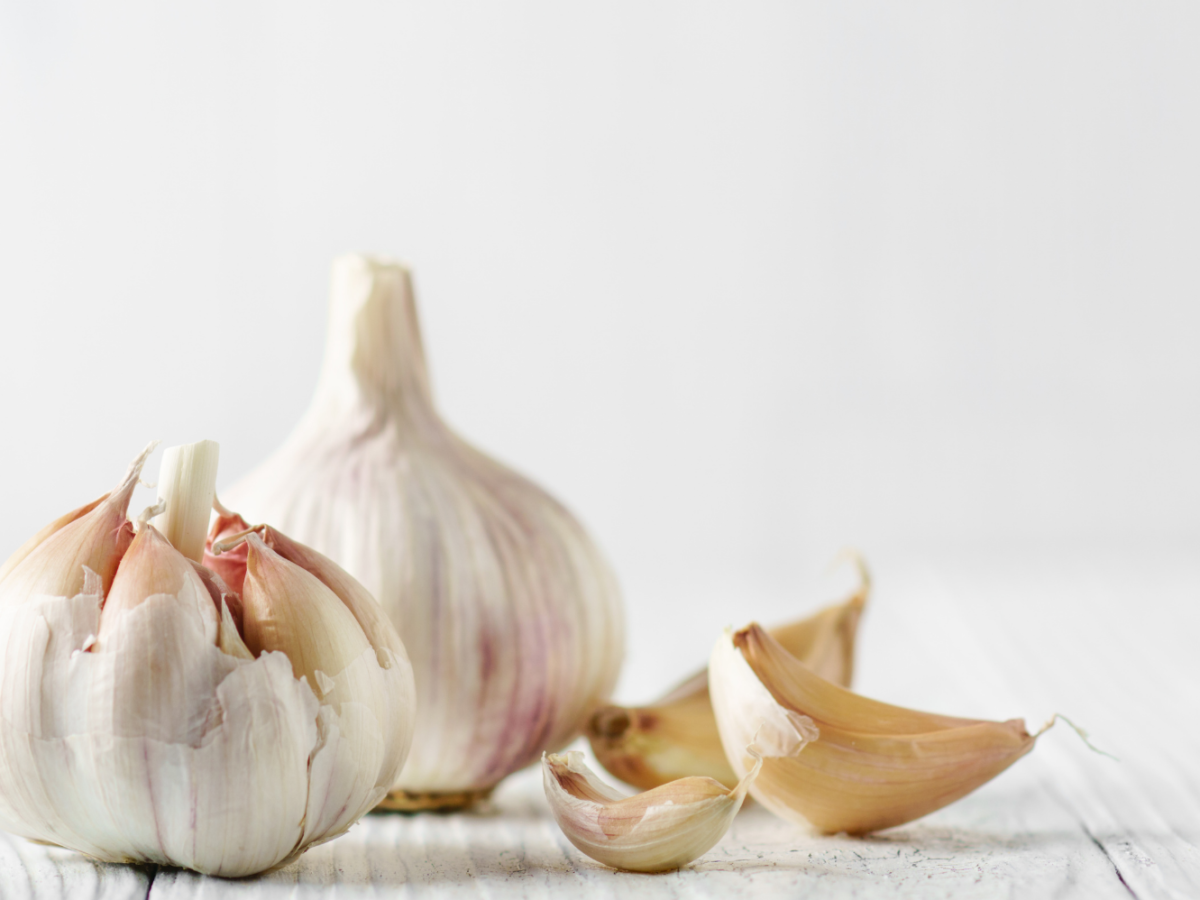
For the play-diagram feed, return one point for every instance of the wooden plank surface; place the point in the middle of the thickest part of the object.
(1107, 637)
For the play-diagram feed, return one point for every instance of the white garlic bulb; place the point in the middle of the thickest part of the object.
(510, 615)
(138, 725)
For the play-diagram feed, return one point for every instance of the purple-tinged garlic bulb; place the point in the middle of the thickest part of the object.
(511, 616)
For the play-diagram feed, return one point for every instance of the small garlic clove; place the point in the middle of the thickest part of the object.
(96, 539)
(677, 736)
(287, 609)
(655, 831)
(151, 566)
(873, 765)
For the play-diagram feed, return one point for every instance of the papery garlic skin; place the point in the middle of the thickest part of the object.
(656, 831)
(511, 617)
(165, 740)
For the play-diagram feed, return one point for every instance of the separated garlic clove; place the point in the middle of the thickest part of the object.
(94, 537)
(677, 736)
(655, 831)
(872, 766)
(510, 615)
(166, 740)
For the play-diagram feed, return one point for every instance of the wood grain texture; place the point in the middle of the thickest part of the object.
(1106, 638)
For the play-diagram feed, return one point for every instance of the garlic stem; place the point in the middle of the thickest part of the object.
(374, 355)
(187, 483)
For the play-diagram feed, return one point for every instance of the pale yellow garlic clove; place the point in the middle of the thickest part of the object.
(655, 831)
(873, 765)
(677, 736)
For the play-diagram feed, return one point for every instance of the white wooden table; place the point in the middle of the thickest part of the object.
(1108, 635)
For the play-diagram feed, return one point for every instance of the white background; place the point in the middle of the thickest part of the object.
(742, 283)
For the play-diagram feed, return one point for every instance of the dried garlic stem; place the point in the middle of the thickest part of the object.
(187, 482)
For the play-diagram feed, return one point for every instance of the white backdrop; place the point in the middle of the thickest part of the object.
(741, 283)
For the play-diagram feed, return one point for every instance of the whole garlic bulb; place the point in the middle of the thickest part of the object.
(137, 724)
(510, 615)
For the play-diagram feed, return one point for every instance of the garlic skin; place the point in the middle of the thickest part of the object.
(511, 617)
(656, 831)
(137, 726)
(835, 761)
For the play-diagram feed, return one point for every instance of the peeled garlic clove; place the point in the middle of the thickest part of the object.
(510, 615)
(677, 736)
(170, 742)
(873, 765)
(655, 831)
(95, 539)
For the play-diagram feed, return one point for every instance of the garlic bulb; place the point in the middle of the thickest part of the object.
(510, 615)
(148, 714)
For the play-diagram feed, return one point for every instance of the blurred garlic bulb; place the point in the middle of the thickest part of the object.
(148, 714)
(511, 616)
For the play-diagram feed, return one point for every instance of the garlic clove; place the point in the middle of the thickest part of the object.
(97, 540)
(287, 609)
(57, 525)
(677, 736)
(366, 611)
(151, 566)
(366, 717)
(655, 831)
(223, 599)
(872, 765)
